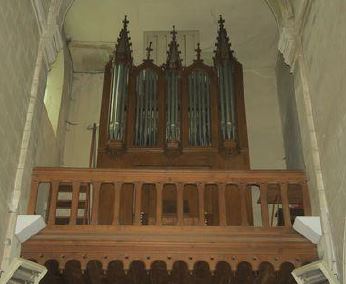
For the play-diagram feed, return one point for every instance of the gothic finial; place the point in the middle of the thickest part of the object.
(173, 58)
(149, 49)
(221, 22)
(174, 34)
(198, 52)
(125, 22)
(223, 50)
(123, 46)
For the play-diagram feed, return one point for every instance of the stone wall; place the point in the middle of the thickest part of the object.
(19, 43)
(29, 137)
(324, 57)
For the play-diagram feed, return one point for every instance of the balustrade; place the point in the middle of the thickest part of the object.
(280, 191)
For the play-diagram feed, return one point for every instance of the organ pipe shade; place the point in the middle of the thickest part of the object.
(227, 99)
(118, 107)
(146, 108)
(172, 106)
(199, 113)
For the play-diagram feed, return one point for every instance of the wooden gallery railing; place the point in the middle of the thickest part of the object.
(285, 191)
(222, 226)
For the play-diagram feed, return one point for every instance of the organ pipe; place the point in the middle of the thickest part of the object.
(224, 65)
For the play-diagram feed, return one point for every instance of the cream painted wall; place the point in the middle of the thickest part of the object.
(263, 119)
(85, 109)
(251, 25)
(324, 57)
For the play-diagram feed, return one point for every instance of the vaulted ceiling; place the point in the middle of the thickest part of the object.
(95, 24)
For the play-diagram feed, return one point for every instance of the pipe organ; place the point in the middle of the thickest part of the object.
(173, 115)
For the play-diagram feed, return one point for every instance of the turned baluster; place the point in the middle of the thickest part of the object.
(138, 203)
(244, 215)
(222, 204)
(201, 206)
(54, 190)
(285, 204)
(306, 199)
(116, 213)
(95, 203)
(75, 202)
(180, 203)
(33, 197)
(264, 204)
(159, 189)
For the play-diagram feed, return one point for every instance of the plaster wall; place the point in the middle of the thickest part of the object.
(85, 110)
(324, 57)
(289, 116)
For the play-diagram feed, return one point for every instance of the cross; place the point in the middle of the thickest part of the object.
(221, 21)
(198, 52)
(173, 33)
(149, 49)
(125, 21)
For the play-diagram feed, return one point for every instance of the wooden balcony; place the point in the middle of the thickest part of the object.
(194, 224)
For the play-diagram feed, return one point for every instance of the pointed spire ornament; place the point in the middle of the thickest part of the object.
(223, 46)
(198, 53)
(173, 53)
(149, 50)
(123, 52)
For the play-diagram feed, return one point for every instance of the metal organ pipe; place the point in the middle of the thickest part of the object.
(146, 112)
(199, 109)
(227, 100)
(118, 97)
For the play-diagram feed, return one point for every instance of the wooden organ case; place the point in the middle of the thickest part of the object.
(172, 116)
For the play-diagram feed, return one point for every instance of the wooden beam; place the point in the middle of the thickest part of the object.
(306, 199)
(201, 206)
(96, 200)
(264, 204)
(222, 204)
(138, 203)
(159, 189)
(116, 213)
(75, 201)
(54, 190)
(180, 204)
(244, 215)
(33, 197)
(285, 205)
